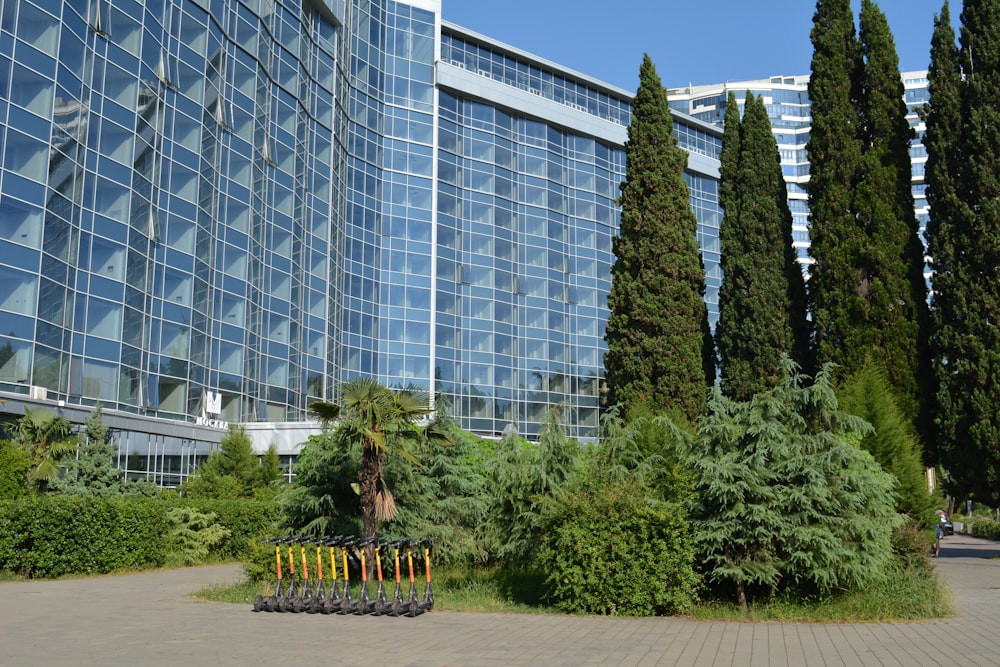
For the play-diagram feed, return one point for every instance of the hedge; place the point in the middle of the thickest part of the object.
(986, 528)
(52, 535)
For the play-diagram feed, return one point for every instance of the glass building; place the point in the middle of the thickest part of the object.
(786, 99)
(215, 211)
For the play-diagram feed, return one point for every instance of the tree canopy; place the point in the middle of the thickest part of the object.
(658, 318)
(964, 190)
(762, 300)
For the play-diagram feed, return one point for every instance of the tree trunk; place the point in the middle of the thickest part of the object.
(369, 474)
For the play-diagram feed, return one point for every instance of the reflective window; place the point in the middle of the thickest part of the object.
(19, 292)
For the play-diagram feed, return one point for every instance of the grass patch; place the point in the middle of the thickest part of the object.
(913, 593)
(489, 590)
(236, 593)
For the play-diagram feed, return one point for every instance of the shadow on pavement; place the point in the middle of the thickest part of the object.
(965, 546)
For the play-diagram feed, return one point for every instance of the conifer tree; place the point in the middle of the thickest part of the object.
(761, 304)
(93, 470)
(655, 330)
(969, 370)
(889, 282)
(231, 472)
(943, 120)
(729, 159)
(869, 394)
(834, 153)
(786, 500)
(270, 466)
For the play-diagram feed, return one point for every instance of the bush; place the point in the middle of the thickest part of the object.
(986, 528)
(787, 500)
(14, 464)
(911, 542)
(51, 536)
(246, 520)
(193, 534)
(612, 551)
(258, 562)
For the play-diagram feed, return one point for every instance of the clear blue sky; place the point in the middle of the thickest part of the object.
(690, 42)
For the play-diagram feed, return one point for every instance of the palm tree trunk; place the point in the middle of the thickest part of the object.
(369, 474)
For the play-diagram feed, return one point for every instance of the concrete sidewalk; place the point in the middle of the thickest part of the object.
(148, 619)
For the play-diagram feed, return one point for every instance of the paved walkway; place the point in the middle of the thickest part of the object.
(148, 619)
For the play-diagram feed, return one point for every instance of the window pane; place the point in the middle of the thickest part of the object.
(20, 222)
(31, 91)
(26, 156)
(18, 294)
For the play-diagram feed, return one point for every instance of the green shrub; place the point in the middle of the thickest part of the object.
(258, 562)
(193, 534)
(786, 498)
(247, 520)
(911, 542)
(51, 536)
(986, 528)
(14, 464)
(613, 551)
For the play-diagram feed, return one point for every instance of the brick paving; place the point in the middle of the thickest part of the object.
(150, 619)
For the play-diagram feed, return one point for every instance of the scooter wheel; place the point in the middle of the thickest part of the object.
(258, 602)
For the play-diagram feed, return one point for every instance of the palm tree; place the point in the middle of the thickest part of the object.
(45, 438)
(383, 421)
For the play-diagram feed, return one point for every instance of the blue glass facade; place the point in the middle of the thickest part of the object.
(216, 211)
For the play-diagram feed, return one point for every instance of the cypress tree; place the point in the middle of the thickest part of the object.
(757, 322)
(889, 285)
(834, 153)
(655, 330)
(943, 120)
(970, 390)
(729, 160)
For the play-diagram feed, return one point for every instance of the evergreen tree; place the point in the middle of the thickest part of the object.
(231, 472)
(785, 497)
(729, 162)
(93, 471)
(834, 153)
(445, 498)
(761, 304)
(967, 331)
(655, 332)
(889, 283)
(943, 119)
(270, 466)
(869, 394)
(525, 479)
